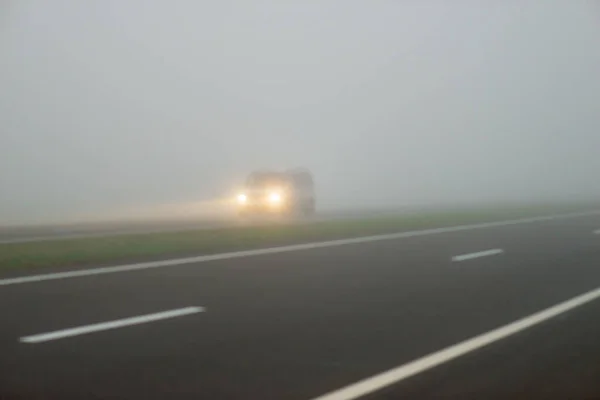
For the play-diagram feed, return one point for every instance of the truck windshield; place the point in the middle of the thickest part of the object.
(265, 179)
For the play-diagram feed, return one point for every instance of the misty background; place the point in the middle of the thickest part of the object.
(121, 106)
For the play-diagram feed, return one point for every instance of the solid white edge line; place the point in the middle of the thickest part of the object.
(470, 256)
(103, 326)
(398, 374)
(281, 249)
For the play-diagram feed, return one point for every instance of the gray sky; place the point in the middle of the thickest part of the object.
(119, 104)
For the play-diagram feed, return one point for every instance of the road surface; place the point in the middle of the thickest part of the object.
(486, 313)
(38, 233)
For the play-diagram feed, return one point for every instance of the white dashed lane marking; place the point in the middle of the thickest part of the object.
(470, 256)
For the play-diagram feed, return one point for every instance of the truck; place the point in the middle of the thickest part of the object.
(290, 192)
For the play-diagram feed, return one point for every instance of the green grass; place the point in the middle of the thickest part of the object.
(126, 248)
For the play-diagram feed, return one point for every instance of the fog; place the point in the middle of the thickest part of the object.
(112, 107)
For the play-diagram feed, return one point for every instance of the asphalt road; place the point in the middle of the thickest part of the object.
(24, 234)
(50, 232)
(300, 324)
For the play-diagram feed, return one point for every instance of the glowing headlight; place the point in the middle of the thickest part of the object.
(275, 198)
(242, 198)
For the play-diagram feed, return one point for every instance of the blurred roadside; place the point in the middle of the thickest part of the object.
(220, 214)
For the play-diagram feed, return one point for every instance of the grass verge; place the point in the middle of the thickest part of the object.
(127, 248)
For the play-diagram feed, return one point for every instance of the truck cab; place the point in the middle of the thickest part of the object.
(288, 192)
